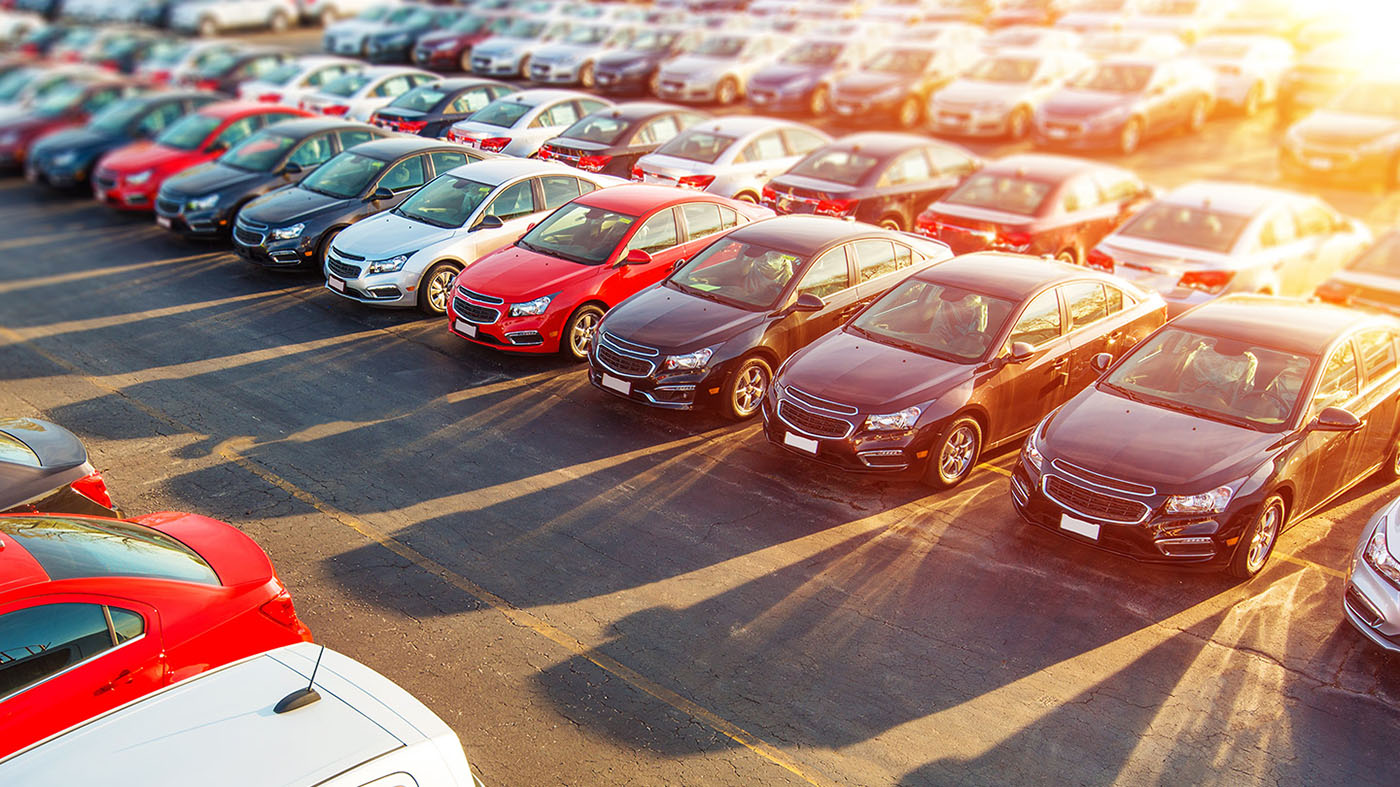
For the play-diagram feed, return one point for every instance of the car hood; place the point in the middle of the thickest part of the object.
(288, 205)
(673, 321)
(966, 91)
(496, 47)
(1152, 445)
(139, 156)
(625, 58)
(1084, 103)
(387, 235)
(401, 113)
(352, 28)
(76, 139)
(212, 177)
(867, 83)
(845, 367)
(517, 274)
(780, 74)
(1329, 127)
(693, 66)
(553, 53)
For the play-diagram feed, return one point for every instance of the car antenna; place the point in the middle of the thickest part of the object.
(302, 697)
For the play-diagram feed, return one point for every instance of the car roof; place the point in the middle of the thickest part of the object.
(804, 235)
(234, 109)
(1048, 166)
(1244, 199)
(740, 125)
(461, 83)
(303, 126)
(1287, 324)
(544, 95)
(391, 148)
(628, 198)
(1006, 275)
(493, 171)
(377, 72)
(637, 110)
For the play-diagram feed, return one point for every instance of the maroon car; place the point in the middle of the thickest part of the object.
(1036, 203)
(958, 358)
(450, 49)
(66, 106)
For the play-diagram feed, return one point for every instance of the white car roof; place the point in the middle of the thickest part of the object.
(494, 171)
(1243, 199)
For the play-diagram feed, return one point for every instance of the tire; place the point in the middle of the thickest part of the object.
(744, 390)
(585, 77)
(1130, 138)
(727, 92)
(464, 61)
(280, 22)
(1071, 256)
(910, 112)
(324, 247)
(1018, 125)
(1253, 100)
(955, 455)
(1390, 471)
(746, 196)
(435, 288)
(893, 223)
(525, 67)
(820, 104)
(578, 332)
(208, 27)
(1257, 543)
(1200, 112)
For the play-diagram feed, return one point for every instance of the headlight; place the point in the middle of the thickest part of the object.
(202, 203)
(1380, 145)
(65, 159)
(1212, 502)
(904, 419)
(1379, 556)
(286, 233)
(531, 308)
(140, 177)
(689, 361)
(1032, 455)
(391, 265)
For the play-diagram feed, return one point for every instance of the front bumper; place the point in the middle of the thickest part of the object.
(622, 82)
(1333, 165)
(857, 452)
(1076, 134)
(785, 100)
(250, 242)
(496, 66)
(673, 90)
(347, 279)
(446, 59)
(855, 108)
(115, 193)
(1371, 602)
(491, 325)
(171, 215)
(42, 170)
(553, 73)
(968, 122)
(383, 53)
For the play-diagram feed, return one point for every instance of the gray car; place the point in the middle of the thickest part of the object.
(718, 67)
(507, 54)
(518, 124)
(731, 156)
(1372, 597)
(572, 59)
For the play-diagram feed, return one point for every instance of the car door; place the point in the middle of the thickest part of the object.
(1320, 462)
(402, 179)
(1281, 254)
(1090, 324)
(829, 277)
(660, 235)
(1020, 394)
(1377, 406)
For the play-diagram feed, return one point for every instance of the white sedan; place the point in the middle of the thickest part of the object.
(296, 79)
(520, 123)
(355, 95)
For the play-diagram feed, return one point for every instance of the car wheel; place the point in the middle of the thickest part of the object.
(893, 223)
(279, 22)
(525, 67)
(1019, 123)
(1199, 112)
(1390, 471)
(953, 457)
(585, 76)
(745, 389)
(1257, 543)
(323, 248)
(654, 82)
(464, 61)
(727, 92)
(821, 101)
(1070, 256)
(578, 332)
(208, 27)
(746, 196)
(909, 114)
(1253, 100)
(436, 288)
(1130, 137)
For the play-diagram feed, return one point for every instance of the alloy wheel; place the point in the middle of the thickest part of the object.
(439, 287)
(581, 335)
(749, 390)
(1262, 541)
(955, 458)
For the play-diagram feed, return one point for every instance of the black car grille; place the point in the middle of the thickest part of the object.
(167, 206)
(1096, 505)
(347, 255)
(246, 236)
(623, 364)
(471, 312)
(812, 423)
(1362, 606)
(106, 182)
(341, 269)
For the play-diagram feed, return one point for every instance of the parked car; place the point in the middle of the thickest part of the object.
(430, 109)
(355, 95)
(68, 106)
(1027, 36)
(450, 49)
(349, 37)
(946, 34)
(1280, 18)
(731, 156)
(1188, 20)
(714, 330)
(408, 257)
(1036, 203)
(897, 83)
(211, 17)
(975, 12)
(609, 243)
(718, 67)
(1209, 238)
(612, 140)
(328, 12)
(1371, 280)
(223, 70)
(952, 362)
(294, 80)
(1026, 12)
(393, 42)
(123, 53)
(799, 80)
(1354, 141)
(878, 177)
(23, 88)
(292, 227)
(129, 177)
(1122, 101)
(98, 612)
(637, 68)
(1089, 16)
(573, 59)
(44, 467)
(1322, 75)
(202, 201)
(65, 159)
(1000, 94)
(172, 62)
(1217, 433)
(355, 727)
(519, 123)
(1128, 43)
(1371, 600)
(507, 54)
(1247, 68)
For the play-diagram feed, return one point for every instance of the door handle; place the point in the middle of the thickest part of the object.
(123, 678)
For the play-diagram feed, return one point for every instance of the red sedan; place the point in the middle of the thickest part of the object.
(129, 177)
(96, 612)
(547, 292)
(66, 106)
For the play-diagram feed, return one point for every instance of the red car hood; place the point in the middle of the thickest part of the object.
(141, 156)
(235, 557)
(517, 275)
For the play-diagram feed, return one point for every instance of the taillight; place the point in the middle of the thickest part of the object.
(769, 195)
(270, 98)
(110, 65)
(1015, 237)
(159, 77)
(412, 126)
(637, 173)
(93, 488)
(281, 610)
(207, 84)
(546, 152)
(30, 49)
(453, 136)
(835, 207)
(926, 224)
(696, 181)
(593, 163)
(336, 110)
(1206, 281)
(494, 144)
(1335, 292)
(1099, 260)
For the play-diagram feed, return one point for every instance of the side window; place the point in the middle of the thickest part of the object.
(158, 119)
(1315, 220)
(393, 87)
(912, 167)
(1278, 229)
(903, 256)
(407, 174)
(468, 102)
(800, 141)
(1080, 194)
(443, 160)
(1339, 383)
(1377, 350)
(39, 642)
(517, 200)
(874, 258)
(262, 65)
(319, 76)
(657, 131)
(1115, 299)
(562, 115)
(728, 217)
(766, 147)
(312, 152)
(236, 131)
(558, 189)
(828, 274)
(585, 186)
(701, 219)
(100, 100)
(351, 138)
(587, 106)
(656, 234)
(1039, 321)
(1086, 303)
(1117, 188)
(126, 625)
(949, 162)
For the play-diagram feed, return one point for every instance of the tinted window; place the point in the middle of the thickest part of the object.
(1339, 383)
(420, 98)
(701, 218)
(38, 642)
(1116, 187)
(828, 275)
(343, 176)
(443, 160)
(259, 152)
(657, 234)
(237, 130)
(470, 101)
(912, 167)
(558, 189)
(76, 548)
(349, 139)
(728, 217)
(603, 129)
(1086, 303)
(1377, 350)
(765, 147)
(189, 133)
(579, 233)
(746, 275)
(407, 174)
(838, 165)
(943, 321)
(126, 625)
(159, 118)
(396, 86)
(874, 258)
(313, 152)
(1039, 322)
(697, 146)
(447, 201)
(1000, 192)
(517, 200)
(660, 130)
(800, 141)
(1183, 225)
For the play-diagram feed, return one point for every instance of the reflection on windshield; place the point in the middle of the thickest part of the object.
(502, 113)
(579, 233)
(1008, 70)
(721, 46)
(946, 322)
(447, 201)
(1115, 78)
(603, 129)
(1183, 225)
(258, 153)
(699, 146)
(1224, 379)
(900, 61)
(344, 176)
(346, 84)
(741, 274)
(813, 54)
(114, 117)
(1000, 192)
(838, 166)
(189, 132)
(1371, 98)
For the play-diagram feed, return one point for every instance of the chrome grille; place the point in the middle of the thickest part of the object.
(624, 357)
(105, 181)
(814, 402)
(812, 423)
(346, 255)
(471, 312)
(1091, 504)
(1102, 481)
(1362, 606)
(631, 348)
(476, 296)
(341, 269)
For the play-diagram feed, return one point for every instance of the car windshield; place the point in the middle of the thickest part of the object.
(740, 274)
(722, 46)
(579, 233)
(652, 40)
(258, 153)
(839, 165)
(447, 201)
(166, 52)
(603, 129)
(421, 98)
(216, 62)
(374, 13)
(346, 175)
(1170, 7)
(79, 548)
(699, 146)
(115, 117)
(523, 28)
(1006, 70)
(502, 113)
(346, 84)
(1115, 78)
(1382, 258)
(400, 14)
(60, 100)
(812, 53)
(1215, 377)
(934, 319)
(900, 61)
(590, 34)
(13, 83)
(189, 132)
(419, 18)
(1371, 98)
(469, 24)
(1007, 193)
(1183, 225)
(282, 73)
(1221, 50)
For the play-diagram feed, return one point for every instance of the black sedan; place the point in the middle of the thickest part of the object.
(1122, 101)
(897, 82)
(64, 159)
(718, 326)
(612, 139)
(1217, 432)
(1353, 141)
(293, 226)
(883, 178)
(43, 467)
(429, 110)
(393, 43)
(223, 71)
(1371, 280)
(202, 201)
(633, 71)
(959, 358)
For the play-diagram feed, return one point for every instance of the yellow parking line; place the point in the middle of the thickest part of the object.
(1304, 562)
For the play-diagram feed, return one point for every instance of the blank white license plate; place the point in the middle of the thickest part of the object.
(842, 109)
(615, 384)
(99, 195)
(800, 443)
(466, 329)
(1086, 529)
(1057, 133)
(1320, 163)
(335, 284)
(163, 221)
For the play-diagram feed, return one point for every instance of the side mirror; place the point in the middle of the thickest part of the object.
(489, 222)
(1101, 361)
(216, 147)
(292, 168)
(637, 257)
(1021, 352)
(807, 302)
(381, 193)
(1336, 419)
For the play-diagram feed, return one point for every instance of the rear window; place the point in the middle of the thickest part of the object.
(16, 453)
(76, 548)
(699, 146)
